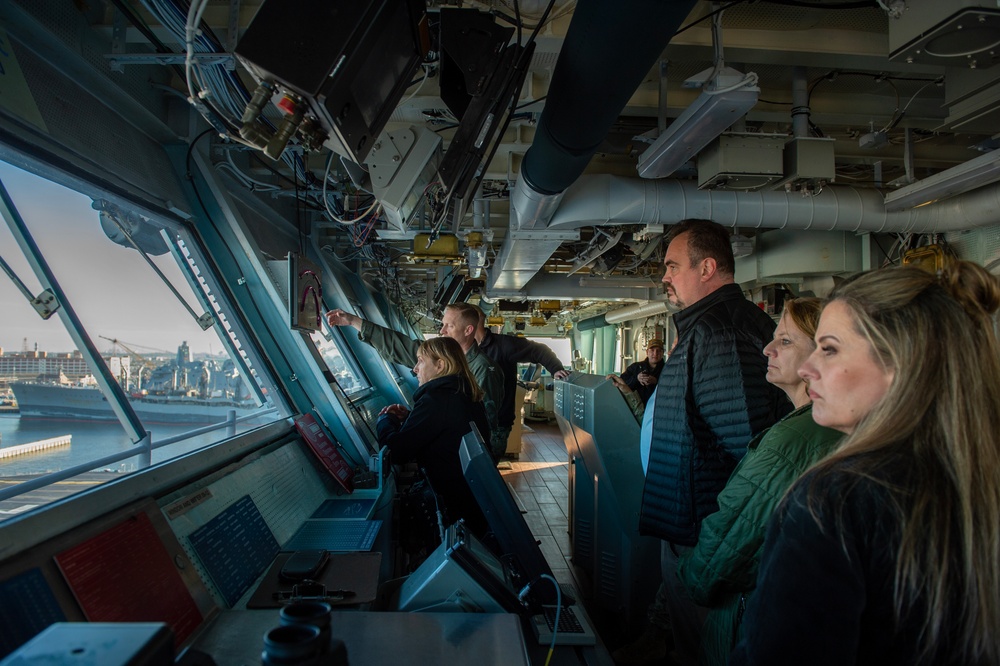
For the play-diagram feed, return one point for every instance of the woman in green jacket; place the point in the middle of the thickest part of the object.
(721, 570)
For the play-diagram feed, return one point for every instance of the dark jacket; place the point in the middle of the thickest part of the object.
(721, 570)
(430, 435)
(631, 377)
(398, 348)
(507, 351)
(825, 589)
(713, 397)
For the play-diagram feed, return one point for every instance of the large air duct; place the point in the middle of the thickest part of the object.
(610, 200)
(609, 48)
(607, 199)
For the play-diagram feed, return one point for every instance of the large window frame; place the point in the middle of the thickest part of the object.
(211, 300)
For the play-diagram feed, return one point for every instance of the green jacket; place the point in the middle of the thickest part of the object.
(398, 348)
(720, 572)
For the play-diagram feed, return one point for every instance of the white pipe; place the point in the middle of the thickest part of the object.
(631, 312)
(606, 199)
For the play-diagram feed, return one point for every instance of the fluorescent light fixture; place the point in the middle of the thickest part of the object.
(715, 110)
(967, 176)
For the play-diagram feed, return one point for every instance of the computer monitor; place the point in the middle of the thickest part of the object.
(349, 61)
(461, 575)
(514, 539)
(489, 71)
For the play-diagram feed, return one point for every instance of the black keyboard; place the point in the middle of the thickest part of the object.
(568, 621)
(573, 628)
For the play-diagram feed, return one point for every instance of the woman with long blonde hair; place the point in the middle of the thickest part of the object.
(888, 551)
(446, 401)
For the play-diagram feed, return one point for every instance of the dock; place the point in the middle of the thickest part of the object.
(32, 447)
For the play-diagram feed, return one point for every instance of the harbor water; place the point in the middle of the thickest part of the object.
(91, 441)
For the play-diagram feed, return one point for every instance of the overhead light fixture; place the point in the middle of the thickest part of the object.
(724, 101)
(967, 176)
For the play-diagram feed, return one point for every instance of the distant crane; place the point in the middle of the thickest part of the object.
(145, 366)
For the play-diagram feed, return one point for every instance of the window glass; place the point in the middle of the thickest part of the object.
(343, 366)
(176, 376)
(561, 347)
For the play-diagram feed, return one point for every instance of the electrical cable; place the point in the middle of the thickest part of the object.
(861, 4)
(708, 16)
(555, 628)
(902, 111)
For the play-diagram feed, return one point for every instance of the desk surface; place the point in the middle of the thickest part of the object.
(236, 638)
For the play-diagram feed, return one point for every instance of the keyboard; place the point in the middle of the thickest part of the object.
(574, 629)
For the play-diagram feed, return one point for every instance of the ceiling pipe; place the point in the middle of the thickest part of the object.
(800, 102)
(627, 313)
(591, 323)
(609, 200)
(606, 199)
(631, 312)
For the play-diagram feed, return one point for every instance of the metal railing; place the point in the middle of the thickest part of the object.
(143, 448)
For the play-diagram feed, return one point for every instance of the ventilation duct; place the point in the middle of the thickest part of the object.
(631, 34)
(631, 312)
(613, 200)
(592, 323)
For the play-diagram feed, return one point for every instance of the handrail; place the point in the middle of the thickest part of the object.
(144, 445)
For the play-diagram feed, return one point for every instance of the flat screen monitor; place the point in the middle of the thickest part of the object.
(494, 70)
(350, 61)
(514, 539)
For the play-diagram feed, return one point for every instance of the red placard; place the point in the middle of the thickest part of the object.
(125, 574)
(326, 451)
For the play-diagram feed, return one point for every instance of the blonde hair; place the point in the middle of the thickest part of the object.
(450, 353)
(940, 417)
(804, 313)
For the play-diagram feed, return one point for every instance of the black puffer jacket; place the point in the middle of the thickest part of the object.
(713, 397)
(430, 435)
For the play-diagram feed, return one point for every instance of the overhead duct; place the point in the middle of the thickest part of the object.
(606, 199)
(611, 200)
(630, 312)
(627, 313)
(590, 324)
(622, 40)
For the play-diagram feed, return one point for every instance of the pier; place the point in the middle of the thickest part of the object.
(32, 447)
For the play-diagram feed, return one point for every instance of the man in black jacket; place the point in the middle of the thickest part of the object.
(507, 351)
(642, 375)
(713, 397)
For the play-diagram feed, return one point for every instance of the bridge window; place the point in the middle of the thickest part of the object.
(344, 367)
(141, 350)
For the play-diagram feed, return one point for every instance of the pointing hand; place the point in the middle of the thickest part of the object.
(340, 318)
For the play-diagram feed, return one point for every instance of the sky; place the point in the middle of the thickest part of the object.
(111, 288)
